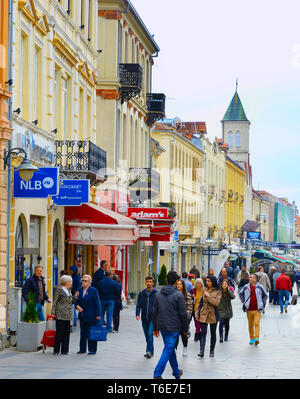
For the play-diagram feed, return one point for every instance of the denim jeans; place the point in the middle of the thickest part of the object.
(148, 331)
(276, 298)
(286, 295)
(168, 354)
(39, 309)
(108, 307)
(75, 317)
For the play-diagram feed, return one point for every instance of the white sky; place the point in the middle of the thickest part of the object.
(205, 45)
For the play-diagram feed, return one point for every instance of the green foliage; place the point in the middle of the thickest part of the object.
(31, 315)
(162, 278)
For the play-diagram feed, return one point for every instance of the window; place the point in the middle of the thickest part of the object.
(36, 77)
(238, 139)
(81, 113)
(19, 243)
(230, 139)
(55, 97)
(34, 231)
(21, 70)
(89, 117)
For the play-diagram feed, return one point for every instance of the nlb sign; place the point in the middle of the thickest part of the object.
(148, 213)
(43, 184)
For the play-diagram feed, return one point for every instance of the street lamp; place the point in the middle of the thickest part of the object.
(209, 241)
(26, 169)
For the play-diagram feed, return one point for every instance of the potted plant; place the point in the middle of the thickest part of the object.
(162, 278)
(132, 295)
(30, 331)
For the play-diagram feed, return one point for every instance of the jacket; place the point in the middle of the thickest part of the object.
(263, 279)
(208, 313)
(261, 296)
(109, 290)
(242, 281)
(169, 311)
(62, 305)
(275, 276)
(188, 284)
(230, 272)
(32, 284)
(297, 277)
(145, 303)
(189, 305)
(225, 307)
(99, 275)
(90, 304)
(283, 282)
(76, 279)
(195, 271)
(291, 276)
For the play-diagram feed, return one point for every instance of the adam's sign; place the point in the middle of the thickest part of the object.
(148, 213)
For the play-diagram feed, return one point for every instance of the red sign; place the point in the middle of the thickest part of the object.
(148, 213)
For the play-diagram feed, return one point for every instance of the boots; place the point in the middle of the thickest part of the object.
(202, 347)
(221, 337)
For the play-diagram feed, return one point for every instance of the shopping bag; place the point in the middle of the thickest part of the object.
(98, 333)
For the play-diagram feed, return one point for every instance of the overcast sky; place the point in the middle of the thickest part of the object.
(205, 45)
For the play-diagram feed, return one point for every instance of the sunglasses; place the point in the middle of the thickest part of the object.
(84, 281)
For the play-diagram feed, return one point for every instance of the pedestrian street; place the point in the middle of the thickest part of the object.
(121, 356)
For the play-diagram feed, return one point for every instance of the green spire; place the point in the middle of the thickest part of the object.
(235, 111)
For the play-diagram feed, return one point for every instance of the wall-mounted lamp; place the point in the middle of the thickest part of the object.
(26, 169)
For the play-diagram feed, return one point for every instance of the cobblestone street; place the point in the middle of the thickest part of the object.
(122, 355)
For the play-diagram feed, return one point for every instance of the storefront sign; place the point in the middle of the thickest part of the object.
(148, 213)
(43, 184)
(212, 252)
(73, 193)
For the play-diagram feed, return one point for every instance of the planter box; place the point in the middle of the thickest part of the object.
(29, 336)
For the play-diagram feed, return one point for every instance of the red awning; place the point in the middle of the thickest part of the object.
(91, 224)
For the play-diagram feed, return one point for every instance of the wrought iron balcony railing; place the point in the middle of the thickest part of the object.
(144, 184)
(81, 160)
(131, 76)
(156, 103)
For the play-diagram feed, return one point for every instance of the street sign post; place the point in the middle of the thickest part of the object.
(43, 184)
(73, 193)
(212, 252)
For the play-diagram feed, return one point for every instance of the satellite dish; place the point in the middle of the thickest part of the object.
(177, 123)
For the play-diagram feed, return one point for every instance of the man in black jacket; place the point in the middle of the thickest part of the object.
(36, 284)
(145, 303)
(100, 273)
(170, 317)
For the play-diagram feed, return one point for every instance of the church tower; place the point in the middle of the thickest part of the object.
(236, 128)
(235, 132)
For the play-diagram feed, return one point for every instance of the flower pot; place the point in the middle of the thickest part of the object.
(29, 336)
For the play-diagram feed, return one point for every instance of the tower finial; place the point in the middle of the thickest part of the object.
(236, 84)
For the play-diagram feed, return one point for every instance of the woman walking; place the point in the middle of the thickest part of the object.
(207, 314)
(196, 295)
(62, 308)
(181, 287)
(225, 309)
(89, 309)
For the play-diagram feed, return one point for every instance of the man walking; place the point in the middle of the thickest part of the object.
(188, 284)
(100, 273)
(109, 292)
(276, 293)
(224, 276)
(170, 317)
(283, 286)
(144, 304)
(254, 298)
(36, 284)
(263, 279)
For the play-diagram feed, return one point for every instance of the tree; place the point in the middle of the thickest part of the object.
(162, 278)
(31, 315)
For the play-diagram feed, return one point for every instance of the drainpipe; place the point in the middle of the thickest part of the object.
(10, 48)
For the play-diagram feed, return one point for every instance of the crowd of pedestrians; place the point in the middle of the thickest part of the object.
(167, 312)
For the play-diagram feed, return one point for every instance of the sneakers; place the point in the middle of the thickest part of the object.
(157, 378)
(201, 354)
(185, 353)
(281, 312)
(211, 354)
(148, 355)
(251, 341)
(285, 309)
(256, 341)
(181, 372)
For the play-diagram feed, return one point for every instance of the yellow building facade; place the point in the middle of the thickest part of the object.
(234, 201)
(182, 181)
(54, 99)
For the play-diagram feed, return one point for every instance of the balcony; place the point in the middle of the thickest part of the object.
(81, 160)
(144, 184)
(156, 103)
(131, 81)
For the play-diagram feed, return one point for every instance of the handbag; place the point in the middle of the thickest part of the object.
(98, 333)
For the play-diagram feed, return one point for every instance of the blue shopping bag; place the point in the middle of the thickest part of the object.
(98, 333)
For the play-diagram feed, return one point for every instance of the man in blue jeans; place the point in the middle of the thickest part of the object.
(109, 292)
(170, 317)
(144, 304)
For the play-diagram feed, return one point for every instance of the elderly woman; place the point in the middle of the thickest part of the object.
(62, 309)
(89, 309)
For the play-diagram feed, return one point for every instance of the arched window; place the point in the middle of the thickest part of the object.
(19, 235)
(230, 139)
(238, 139)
